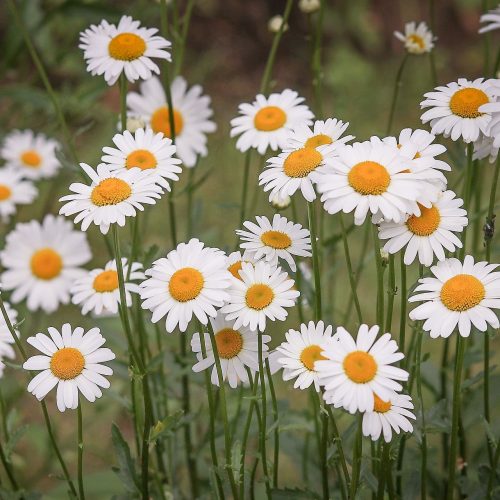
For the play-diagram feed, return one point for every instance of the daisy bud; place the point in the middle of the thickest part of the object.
(384, 256)
(134, 123)
(274, 24)
(309, 6)
(279, 202)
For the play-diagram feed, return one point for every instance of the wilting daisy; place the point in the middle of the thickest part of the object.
(356, 369)
(460, 295)
(192, 279)
(485, 147)
(111, 50)
(14, 191)
(192, 113)
(111, 197)
(237, 348)
(42, 261)
(34, 155)
(418, 38)
(491, 20)
(388, 416)
(268, 120)
(235, 260)
(429, 233)
(279, 239)
(98, 290)
(6, 340)
(145, 150)
(322, 133)
(301, 351)
(262, 292)
(72, 360)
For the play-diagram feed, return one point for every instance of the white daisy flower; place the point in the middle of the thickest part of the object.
(279, 239)
(111, 197)
(98, 291)
(355, 369)
(429, 233)
(268, 120)
(72, 360)
(460, 295)
(279, 202)
(262, 292)
(192, 113)
(418, 38)
(235, 260)
(491, 20)
(387, 416)
(42, 261)
(485, 147)
(34, 155)
(309, 6)
(6, 340)
(274, 366)
(111, 50)
(275, 23)
(322, 133)
(192, 279)
(237, 348)
(14, 191)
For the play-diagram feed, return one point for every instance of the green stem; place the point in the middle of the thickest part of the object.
(467, 194)
(123, 102)
(340, 448)
(323, 442)
(382, 475)
(316, 62)
(493, 471)
(8, 469)
(298, 274)
(191, 179)
(423, 449)
(80, 452)
(403, 305)
(311, 215)
(397, 85)
(391, 293)
(185, 28)
(274, 404)
(356, 458)
(380, 279)
(244, 192)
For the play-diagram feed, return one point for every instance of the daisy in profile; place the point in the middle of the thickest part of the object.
(6, 340)
(490, 20)
(322, 133)
(388, 416)
(14, 191)
(192, 113)
(145, 150)
(191, 279)
(418, 38)
(429, 233)
(34, 155)
(42, 261)
(279, 239)
(356, 369)
(262, 292)
(111, 50)
(98, 291)
(237, 348)
(300, 352)
(235, 260)
(460, 295)
(267, 122)
(72, 361)
(485, 147)
(111, 197)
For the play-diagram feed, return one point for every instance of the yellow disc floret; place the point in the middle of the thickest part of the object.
(269, 118)
(381, 406)
(5, 192)
(462, 292)
(141, 158)
(466, 102)
(426, 223)
(107, 281)
(160, 122)
(276, 239)
(186, 284)
(110, 191)
(310, 355)
(259, 296)
(46, 264)
(360, 367)
(302, 162)
(369, 178)
(31, 159)
(67, 363)
(229, 343)
(318, 140)
(126, 47)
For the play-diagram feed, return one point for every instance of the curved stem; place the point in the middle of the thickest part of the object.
(397, 85)
(274, 404)
(80, 452)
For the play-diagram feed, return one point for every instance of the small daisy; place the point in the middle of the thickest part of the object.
(42, 261)
(387, 416)
(192, 279)
(111, 50)
(356, 369)
(279, 202)
(72, 360)
(111, 197)
(279, 239)
(6, 340)
(34, 155)
(237, 348)
(309, 6)
(301, 351)
(145, 150)
(98, 291)
(485, 147)
(322, 133)
(192, 113)
(418, 39)
(235, 260)
(268, 120)
(491, 20)
(262, 292)
(460, 295)
(275, 23)
(14, 191)
(429, 233)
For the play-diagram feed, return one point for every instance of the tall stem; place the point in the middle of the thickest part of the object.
(274, 404)
(316, 62)
(403, 305)
(467, 194)
(391, 293)
(380, 279)
(397, 85)
(80, 452)
(244, 191)
(311, 215)
(423, 446)
(323, 442)
(356, 458)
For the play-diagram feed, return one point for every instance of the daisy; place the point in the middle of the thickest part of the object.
(145, 150)
(301, 351)
(99, 292)
(41, 262)
(72, 360)
(268, 120)
(322, 133)
(309, 6)
(34, 155)
(279, 239)
(111, 197)
(14, 191)
(111, 50)
(460, 294)
(6, 340)
(275, 24)
(387, 416)
(418, 39)
(356, 369)
(237, 348)
(235, 260)
(192, 279)
(262, 292)
(491, 20)
(429, 233)
(279, 202)
(485, 147)
(192, 113)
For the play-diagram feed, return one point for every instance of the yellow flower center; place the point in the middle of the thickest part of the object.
(425, 224)
(107, 281)
(276, 239)
(5, 192)
(110, 192)
(369, 177)
(46, 264)
(259, 296)
(186, 284)
(235, 269)
(310, 355)
(269, 118)
(229, 343)
(31, 159)
(465, 102)
(160, 122)
(318, 140)
(302, 162)
(360, 367)
(141, 158)
(417, 40)
(67, 363)
(126, 47)
(462, 292)
(380, 405)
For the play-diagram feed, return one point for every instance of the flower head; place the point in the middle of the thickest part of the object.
(275, 24)
(14, 191)
(6, 339)
(490, 20)
(418, 39)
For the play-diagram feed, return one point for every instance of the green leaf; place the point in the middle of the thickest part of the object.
(14, 438)
(489, 433)
(126, 470)
(166, 426)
